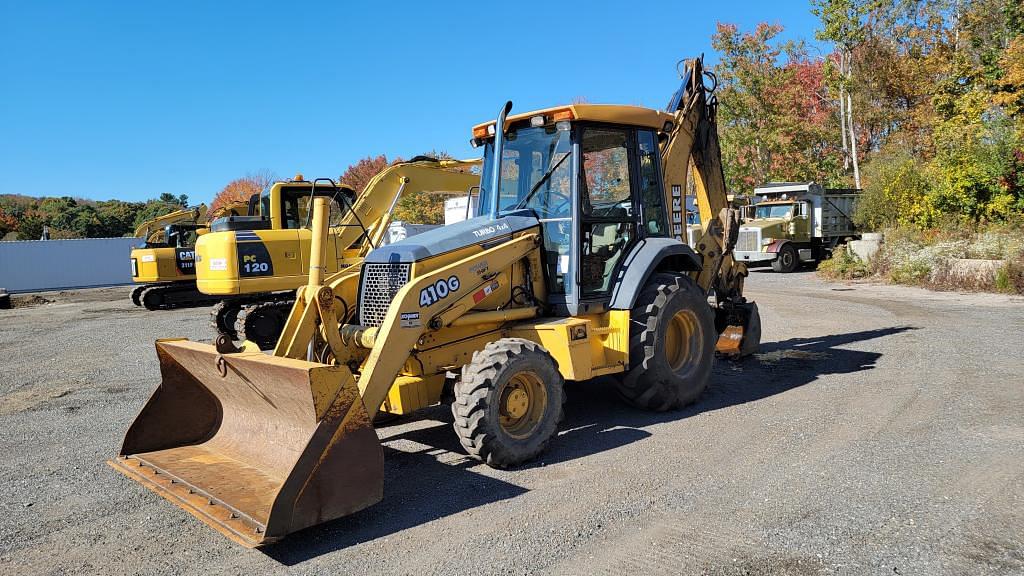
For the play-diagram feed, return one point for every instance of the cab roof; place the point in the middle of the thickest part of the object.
(611, 113)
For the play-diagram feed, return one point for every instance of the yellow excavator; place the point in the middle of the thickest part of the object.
(575, 268)
(254, 263)
(163, 266)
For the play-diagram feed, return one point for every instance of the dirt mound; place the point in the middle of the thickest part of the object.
(28, 301)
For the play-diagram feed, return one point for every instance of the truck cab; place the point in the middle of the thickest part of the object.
(795, 222)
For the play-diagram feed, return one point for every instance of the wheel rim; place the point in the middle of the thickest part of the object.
(522, 402)
(682, 347)
(787, 258)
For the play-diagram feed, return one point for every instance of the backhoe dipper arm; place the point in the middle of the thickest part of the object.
(694, 137)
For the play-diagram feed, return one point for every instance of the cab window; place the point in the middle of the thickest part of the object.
(296, 207)
(607, 207)
(652, 198)
(605, 170)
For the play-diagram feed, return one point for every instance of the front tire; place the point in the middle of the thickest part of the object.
(508, 402)
(671, 345)
(787, 260)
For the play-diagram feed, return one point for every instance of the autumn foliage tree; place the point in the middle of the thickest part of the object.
(240, 189)
(358, 175)
(775, 121)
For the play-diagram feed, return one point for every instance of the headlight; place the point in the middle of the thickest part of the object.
(767, 241)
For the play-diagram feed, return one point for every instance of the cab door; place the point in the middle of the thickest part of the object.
(607, 211)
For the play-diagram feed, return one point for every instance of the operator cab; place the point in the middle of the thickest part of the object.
(293, 206)
(594, 184)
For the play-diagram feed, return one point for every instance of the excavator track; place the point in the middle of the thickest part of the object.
(262, 323)
(173, 295)
(223, 316)
(136, 294)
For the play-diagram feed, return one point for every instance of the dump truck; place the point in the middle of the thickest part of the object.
(163, 266)
(796, 222)
(576, 267)
(254, 264)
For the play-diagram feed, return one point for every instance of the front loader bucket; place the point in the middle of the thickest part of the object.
(254, 445)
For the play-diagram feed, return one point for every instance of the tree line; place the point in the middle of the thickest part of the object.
(24, 217)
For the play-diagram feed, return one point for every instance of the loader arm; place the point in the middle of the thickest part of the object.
(392, 343)
(238, 208)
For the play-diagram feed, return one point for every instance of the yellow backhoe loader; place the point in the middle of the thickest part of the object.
(255, 263)
(164, 264)
(576, 268)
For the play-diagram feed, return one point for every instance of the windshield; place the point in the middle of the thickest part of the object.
(535, 172)
(774, 211)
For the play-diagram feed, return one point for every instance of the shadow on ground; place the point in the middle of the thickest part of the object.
(419, 488)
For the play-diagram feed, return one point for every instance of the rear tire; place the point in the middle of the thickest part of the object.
(787, 260)
(508, 402)
(672, 341)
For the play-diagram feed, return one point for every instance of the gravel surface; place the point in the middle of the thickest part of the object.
(879, 431)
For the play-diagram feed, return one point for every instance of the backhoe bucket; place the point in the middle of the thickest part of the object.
(742, 334)
(254, 445)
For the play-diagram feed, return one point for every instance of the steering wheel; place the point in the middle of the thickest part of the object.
(549, 210)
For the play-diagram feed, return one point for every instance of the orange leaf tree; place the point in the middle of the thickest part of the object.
(240, 189)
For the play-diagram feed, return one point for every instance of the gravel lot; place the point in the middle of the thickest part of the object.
(880, 431)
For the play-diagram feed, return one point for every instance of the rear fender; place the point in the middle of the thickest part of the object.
(651, 255)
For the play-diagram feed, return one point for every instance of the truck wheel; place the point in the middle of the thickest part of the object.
(787, 260)
(671, 345)
(508, 402)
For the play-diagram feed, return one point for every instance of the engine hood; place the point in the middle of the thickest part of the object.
(765, 225)
(453, 237)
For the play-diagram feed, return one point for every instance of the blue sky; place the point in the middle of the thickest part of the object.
(130, 99)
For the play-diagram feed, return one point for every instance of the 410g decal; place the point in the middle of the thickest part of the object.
(438, 291)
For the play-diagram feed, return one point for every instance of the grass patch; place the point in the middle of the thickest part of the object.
(934, 259)
(843, 265)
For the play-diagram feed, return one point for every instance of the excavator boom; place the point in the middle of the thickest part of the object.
(156, 225)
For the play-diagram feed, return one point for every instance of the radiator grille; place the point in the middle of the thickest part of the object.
(748, 241)
(381, 282)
